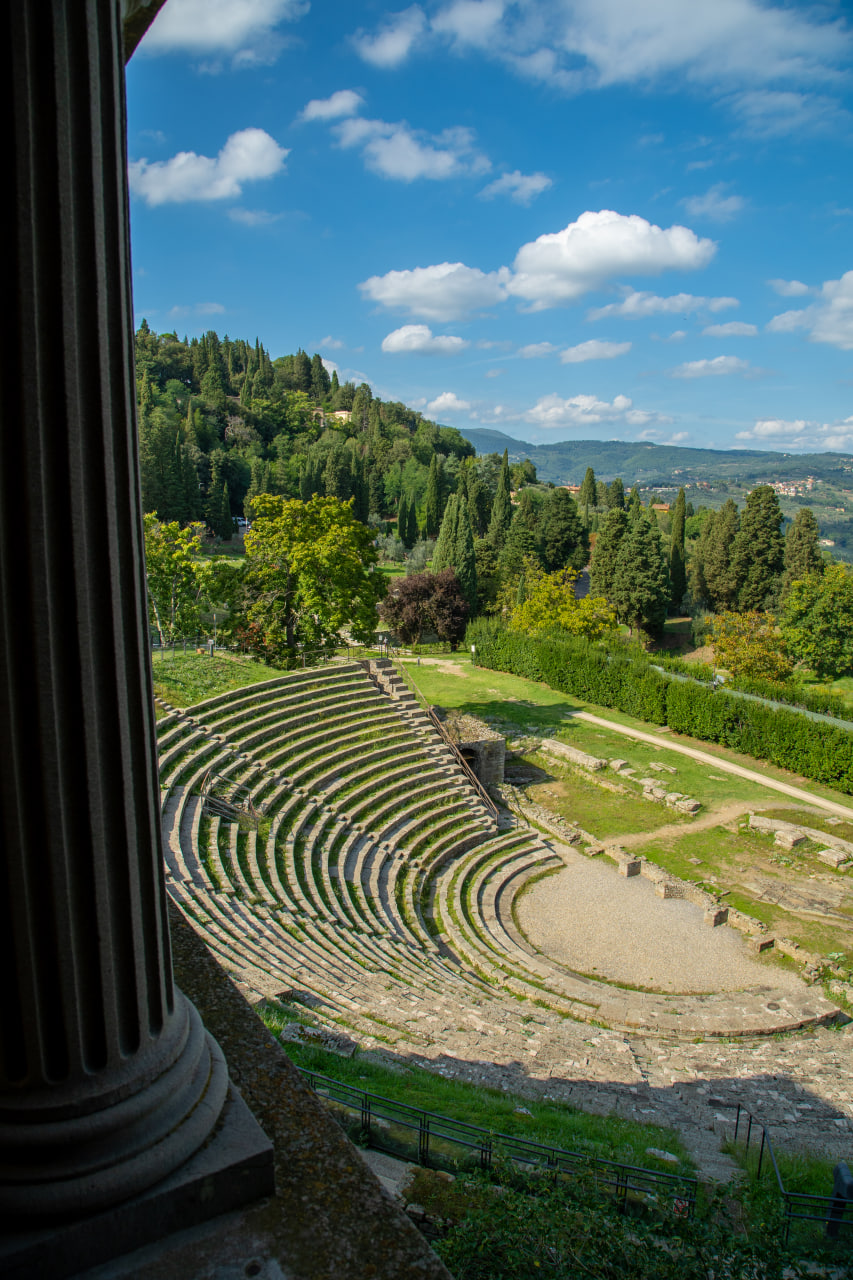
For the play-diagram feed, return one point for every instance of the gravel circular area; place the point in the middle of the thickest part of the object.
(615, 927)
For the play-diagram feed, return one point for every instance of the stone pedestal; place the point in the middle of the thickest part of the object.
(109, 1082)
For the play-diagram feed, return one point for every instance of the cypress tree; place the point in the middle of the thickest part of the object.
(442, 556)
(677, 562)
(758, 554)
(615, 495)
(226, 524)
(604, 557)
(565, 542)
(641, 587)
(433, 498)
(802, 548)
(464, 557)
(412, 530)
(403, 521)
(720, 577)
(587, 496)
(501, 518)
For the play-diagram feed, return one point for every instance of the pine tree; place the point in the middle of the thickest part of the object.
(604, 557)
(758, 554)
(320, 380)
(226, 523)
(802, 548)
(677, 560)
(635, 504)
(501, 518)
(641, 586)
(565, 542)
(464, 556)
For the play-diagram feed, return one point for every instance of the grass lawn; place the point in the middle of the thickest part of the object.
(182, 679)
(554, 1123)
(604, 811)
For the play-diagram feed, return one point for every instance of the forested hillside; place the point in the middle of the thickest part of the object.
(220, 421)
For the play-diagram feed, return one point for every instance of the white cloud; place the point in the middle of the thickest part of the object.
(520, 187)
(637, 306)
(442, 292)
(330, 343)
(594, 350)
(199, 309)
(590, 44)
(677, 335)
(494, 373)
(330, 366)
(789, 288)
(536, 350)
(562, 266)
(766, 113)
(418, 339)
(678, 437)
(247, 156)
(699, 164)
(253, 217)
(405, 154)
(714, 204)
(829, 319)
(390, 46)
(244, 28)
(734, 329)
(346, 102)
(775, 429)
(800, 433)
(719, 366)
(553, 411)
(447, 402)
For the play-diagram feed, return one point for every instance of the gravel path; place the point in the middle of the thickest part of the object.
(594, 920)
(718, 762)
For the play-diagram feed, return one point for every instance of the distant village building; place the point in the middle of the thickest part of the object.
(343, 415)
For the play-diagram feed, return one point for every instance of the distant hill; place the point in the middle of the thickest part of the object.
(642, 462)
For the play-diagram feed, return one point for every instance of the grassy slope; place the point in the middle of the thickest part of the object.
(183, 679)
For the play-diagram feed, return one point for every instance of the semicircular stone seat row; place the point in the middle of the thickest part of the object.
(321, 836)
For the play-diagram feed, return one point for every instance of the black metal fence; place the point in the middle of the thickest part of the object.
(797, 1206)
(394, 1126)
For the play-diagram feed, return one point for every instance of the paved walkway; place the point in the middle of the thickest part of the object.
(719, 762)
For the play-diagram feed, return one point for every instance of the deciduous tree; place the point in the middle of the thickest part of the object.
(426, 602)
(817, 621)
(749, 644)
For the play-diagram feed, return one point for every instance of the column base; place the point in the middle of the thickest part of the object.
(234, 1168)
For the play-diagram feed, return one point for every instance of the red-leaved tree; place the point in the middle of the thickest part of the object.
(425, 602)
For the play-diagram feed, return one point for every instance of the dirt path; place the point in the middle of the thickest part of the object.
(714, 818)
(718, 762)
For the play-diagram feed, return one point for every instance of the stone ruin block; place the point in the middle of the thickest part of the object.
(715, 916)
(788, 839)
(760, 943)
(832, 857)
(688, 806)
(564, 752)
(667, 889)
(630, 866)
(618, 764)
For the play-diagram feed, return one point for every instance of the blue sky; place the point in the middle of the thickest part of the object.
(564, 219)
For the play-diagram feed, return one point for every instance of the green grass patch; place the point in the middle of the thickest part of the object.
(182, 679)
(554, 1123)
(603, 811)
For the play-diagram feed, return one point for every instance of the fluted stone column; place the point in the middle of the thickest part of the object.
(108, 1080)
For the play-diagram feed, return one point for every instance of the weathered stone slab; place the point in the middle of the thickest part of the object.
(618, 764)
(761, 943)
(573, 755)
(832, 857)
(788, 839)
(630, 867)
(716, 916)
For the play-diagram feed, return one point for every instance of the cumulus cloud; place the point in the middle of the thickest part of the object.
(714, 204)
(637, 305)
(536, 350)
(719, 366)
(734, 329)
(595, 43)
(789, 288)
(553, 411)
(766, 113)
(199, 309)
(594, 350)
(447, 402)
(330, 343)
(405, 154)
(247, 156)
(242, 28)
(418, 339)
(520, 187)
(443, 292)
(561, 267)
(800, 433)
(391, 44)
(346, 102)
(829, 319)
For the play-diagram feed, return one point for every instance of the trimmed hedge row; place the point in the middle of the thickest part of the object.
(822, 700)
(816, 750)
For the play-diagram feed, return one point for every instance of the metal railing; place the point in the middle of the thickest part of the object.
(436, 1137)
(797, 1206)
